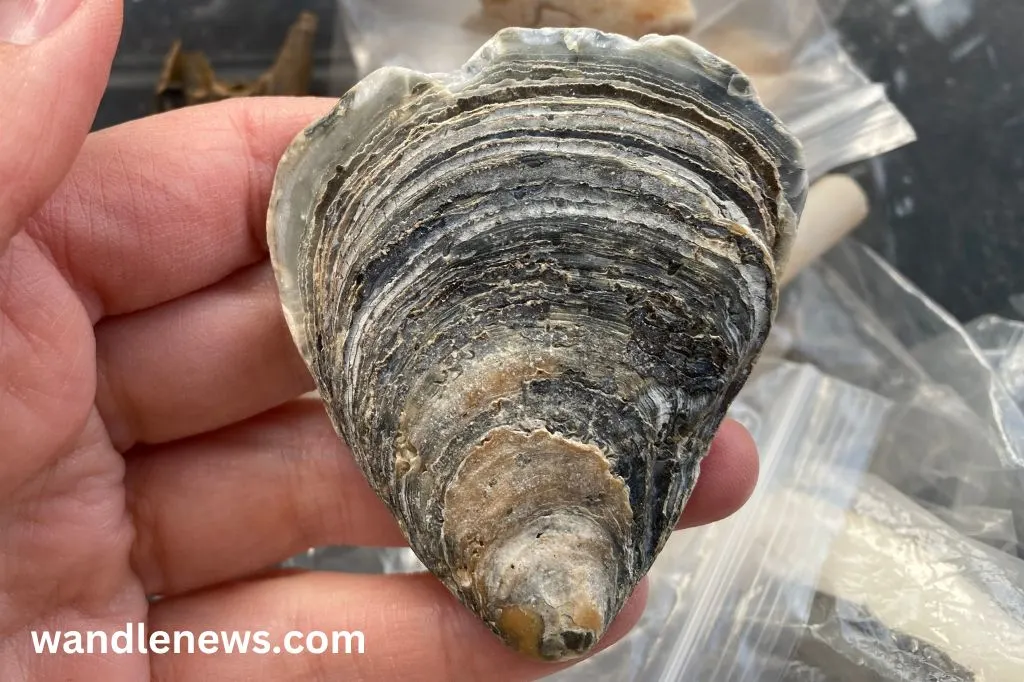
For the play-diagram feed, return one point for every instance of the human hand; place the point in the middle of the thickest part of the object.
(151, 439)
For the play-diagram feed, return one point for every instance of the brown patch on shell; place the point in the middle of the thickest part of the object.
(524, 629)
(503, 380)
(483, 500)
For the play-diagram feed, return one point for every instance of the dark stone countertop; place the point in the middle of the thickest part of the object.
(948, 209)
(951, 206)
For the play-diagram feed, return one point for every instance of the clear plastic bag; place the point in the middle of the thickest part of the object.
(903, 596)
(794, 58)
(1001, 343)
(990, 525)
(955, 440)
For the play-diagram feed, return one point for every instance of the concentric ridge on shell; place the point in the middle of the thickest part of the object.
(528, 292)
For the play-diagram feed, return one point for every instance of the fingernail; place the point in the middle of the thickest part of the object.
(26, 21)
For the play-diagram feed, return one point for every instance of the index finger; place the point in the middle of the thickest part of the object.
(158, 208)
(54, 62)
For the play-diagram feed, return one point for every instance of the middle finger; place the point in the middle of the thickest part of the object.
(198, 363)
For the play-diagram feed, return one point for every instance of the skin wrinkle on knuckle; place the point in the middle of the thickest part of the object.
(10, 598)
(37, 373)
(448, 629)
(114, 190)
(113, 181)
(115, 410)
(320, 456)
(309, 513)
(448, 663)
(56, 591)
(20, 174)
(316, 668)
(54, 250)
(313, 475)
(246, 128)
(328, 466)
(244, 298)
(59, 210)
(147, 557)
(75, 217)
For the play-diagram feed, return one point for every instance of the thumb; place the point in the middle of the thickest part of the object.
(55, 58)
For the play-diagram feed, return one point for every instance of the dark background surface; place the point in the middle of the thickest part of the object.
(947, 210)
(951, 206)
(240, 37)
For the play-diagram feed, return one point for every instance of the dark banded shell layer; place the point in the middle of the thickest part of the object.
(528, 292)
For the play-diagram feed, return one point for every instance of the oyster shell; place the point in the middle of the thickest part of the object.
(528, 292)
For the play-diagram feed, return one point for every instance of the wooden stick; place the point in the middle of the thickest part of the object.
(836, 205)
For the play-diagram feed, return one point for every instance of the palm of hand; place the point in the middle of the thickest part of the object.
(151, 436)
(68, 531)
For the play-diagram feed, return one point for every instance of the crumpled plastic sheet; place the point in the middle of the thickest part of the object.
(787, 47)
(1001, 343)
(956, 440)
(905, 597)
